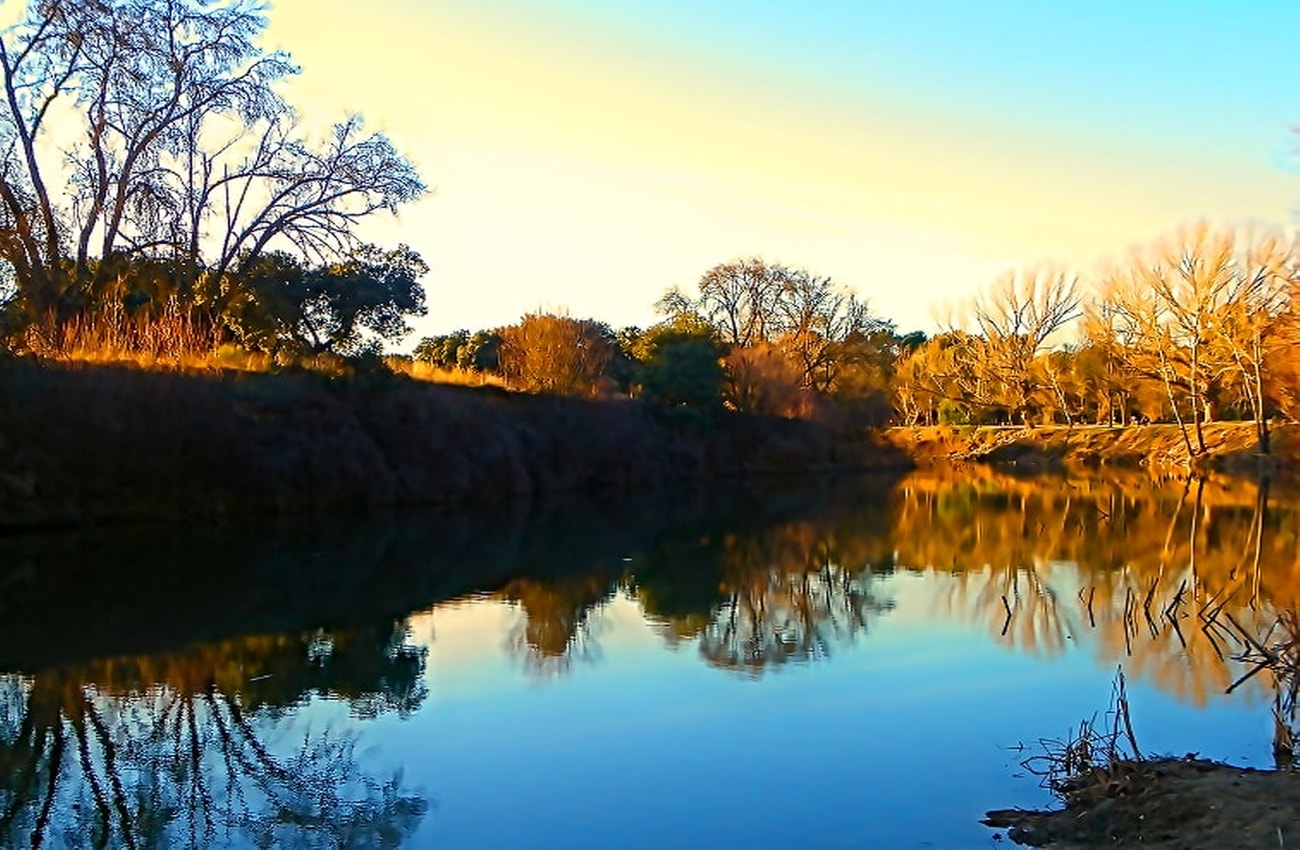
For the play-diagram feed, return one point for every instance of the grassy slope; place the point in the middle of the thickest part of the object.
(91, 442)
(1231, 446)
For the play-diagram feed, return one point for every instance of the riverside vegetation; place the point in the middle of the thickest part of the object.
(190, 323)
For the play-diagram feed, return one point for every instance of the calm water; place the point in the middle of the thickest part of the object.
(814, 665)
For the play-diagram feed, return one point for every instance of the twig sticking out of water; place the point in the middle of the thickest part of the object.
(1122, 715)
(1092, 753)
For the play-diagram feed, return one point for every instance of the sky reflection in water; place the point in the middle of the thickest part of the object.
(824, 666)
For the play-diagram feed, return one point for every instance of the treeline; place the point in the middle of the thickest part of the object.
(757, 337)
(1199, 326)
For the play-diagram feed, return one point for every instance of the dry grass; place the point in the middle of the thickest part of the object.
(422, 371)
(171, 339)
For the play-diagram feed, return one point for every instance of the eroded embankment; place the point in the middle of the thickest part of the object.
(1230, 447)
(86, 443)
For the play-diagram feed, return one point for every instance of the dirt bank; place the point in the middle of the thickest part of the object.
(1231, 447)
(1169, 804)
(80, 443)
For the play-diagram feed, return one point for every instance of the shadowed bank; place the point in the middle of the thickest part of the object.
(86, 443)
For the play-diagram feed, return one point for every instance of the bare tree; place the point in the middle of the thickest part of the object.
(813, 316)
(1195, 311)
(172, 142)
(739, 299)
(1249, 320)
(1016, 316)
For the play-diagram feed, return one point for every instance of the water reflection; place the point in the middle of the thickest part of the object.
(159, 685)
(554, 629)
(1152, 572)
(756, 592)
(775, 597)
(755, 580)
(199, 747)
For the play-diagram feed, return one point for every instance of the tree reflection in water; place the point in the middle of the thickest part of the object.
(188, 749)
(789, 594)
(752, 598)
(775, 617)
(554, 628)
(191, 748)
(1134, 567)
(1152, 571)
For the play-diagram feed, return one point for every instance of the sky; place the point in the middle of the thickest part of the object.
(586, 155)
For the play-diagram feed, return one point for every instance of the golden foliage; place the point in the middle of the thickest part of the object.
(546, 353)
(761, 379)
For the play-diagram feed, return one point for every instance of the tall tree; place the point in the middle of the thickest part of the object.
(1249, 322)
(155, 128)
(782, 325)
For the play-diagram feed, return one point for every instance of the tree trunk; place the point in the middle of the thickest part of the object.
(1173, 404)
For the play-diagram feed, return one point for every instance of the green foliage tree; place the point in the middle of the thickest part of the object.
(442, 351)
(481, 352)
(680, 366)
(477, 352)
(345, 308)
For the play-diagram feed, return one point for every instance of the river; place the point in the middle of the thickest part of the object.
(831, 663)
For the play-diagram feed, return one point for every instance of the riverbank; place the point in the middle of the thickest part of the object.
(86, 443)
(1167, 804)
(1231, 447)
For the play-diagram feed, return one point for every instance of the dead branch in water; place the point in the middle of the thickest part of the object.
(1277, 652)
(1093, 751)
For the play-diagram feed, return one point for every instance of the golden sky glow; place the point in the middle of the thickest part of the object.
(581, 166)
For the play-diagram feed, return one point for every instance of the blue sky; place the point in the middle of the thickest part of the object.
(586, 155)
